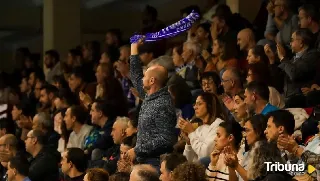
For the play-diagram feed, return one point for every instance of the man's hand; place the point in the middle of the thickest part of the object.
(268, 51)
(281, 52)
(135, 46)
(5, 156)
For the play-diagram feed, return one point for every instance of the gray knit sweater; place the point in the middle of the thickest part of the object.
(157, 118)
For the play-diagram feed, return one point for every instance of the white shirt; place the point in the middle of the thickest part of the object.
(201, 141)
(77, 140)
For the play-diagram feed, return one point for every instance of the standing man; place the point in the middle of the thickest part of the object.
(157, 117)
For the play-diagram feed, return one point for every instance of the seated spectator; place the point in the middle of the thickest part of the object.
(124, 164)
(240, 111)
(257, 98)
(52, 63)
(74, 58)
(209, 110)
(64, 99)
(203, 36)
(120, 176)
(75, 120)
(259, 72)
(132, 128)
(146, 53)
(11, 148)
(42, 122)
(59, 82)
(103, 115)
(36, 76)
(177, 58)
(18, 169)
(144, 172)
(231, 82)
(90, 56)
(228, 139)
(108, 159)
(110, 55)
(257, 54)
(261, 153)
(96, 174)
(61, 128)
(309, 18)
(191, 50)
(189, 172)
(289, 21)
(77, 83)
(301, 69)
(168, 163)
(246, 40)
(22, 115)
(44, 165)
(27, 97)
(74, 164)
(210, 82)
(47, 96)
(280, 122)
(7, 126)
(254, 137)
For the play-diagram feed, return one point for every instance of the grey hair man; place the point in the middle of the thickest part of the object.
(144, 173)
(42, 122)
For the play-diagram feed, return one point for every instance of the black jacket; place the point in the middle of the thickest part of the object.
(299, 72)
(44, 167)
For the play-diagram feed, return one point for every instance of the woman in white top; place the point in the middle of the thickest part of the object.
(200, 141)
(229, 136)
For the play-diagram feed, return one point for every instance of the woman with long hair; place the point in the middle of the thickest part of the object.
(200, 140)
(224, 56)
(252, 166)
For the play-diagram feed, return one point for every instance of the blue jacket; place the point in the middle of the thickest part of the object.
(157, 118)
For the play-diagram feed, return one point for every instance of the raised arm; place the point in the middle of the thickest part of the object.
(136, 71)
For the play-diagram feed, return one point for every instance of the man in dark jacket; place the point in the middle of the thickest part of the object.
(44, 163)
(301, 69)
(157, 117)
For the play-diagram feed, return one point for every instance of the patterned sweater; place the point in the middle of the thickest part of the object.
(157, 118)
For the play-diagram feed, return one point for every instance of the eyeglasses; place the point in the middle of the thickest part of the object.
(204, 83)
(223, 81)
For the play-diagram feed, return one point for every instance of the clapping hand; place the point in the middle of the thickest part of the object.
(281, 51)
(85, 98)
(270, 54)
(228, 102)
(286, 142)
(185, 126)
(230, 159)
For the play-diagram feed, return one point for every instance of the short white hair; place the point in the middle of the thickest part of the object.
(145, 172)
(194, 46)
(123, 121)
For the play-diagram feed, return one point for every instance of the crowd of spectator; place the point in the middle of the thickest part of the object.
(231, 97)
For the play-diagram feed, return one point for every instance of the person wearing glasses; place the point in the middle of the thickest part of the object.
(44, 165)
